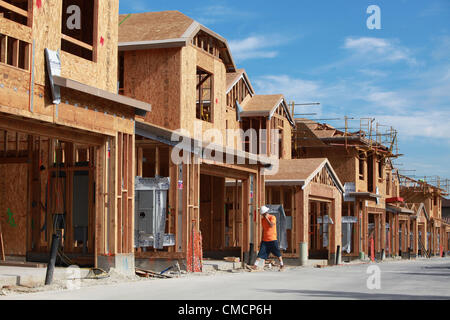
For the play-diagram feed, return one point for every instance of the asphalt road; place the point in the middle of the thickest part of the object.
(399, 280)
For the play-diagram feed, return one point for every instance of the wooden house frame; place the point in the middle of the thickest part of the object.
(414, 191)
(167, 58)
(46, 146)
(363, 168)
(310, 191)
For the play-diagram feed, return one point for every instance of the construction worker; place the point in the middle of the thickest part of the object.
(269, 242)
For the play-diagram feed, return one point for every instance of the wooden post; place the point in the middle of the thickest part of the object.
(157, 162)
(15, 53)
(383, 231)
(4, 49)
(113, 179)
(140, 160)
(2, 245)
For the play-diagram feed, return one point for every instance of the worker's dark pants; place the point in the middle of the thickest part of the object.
(269, 247)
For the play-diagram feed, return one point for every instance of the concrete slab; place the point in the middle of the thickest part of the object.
(30, 277)
(333, 283)
(220, 265)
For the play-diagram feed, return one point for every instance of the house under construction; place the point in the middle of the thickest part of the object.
(138, 141)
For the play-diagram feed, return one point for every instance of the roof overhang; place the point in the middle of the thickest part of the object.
(270, 113)
(183, 41)
(305, 182)
(156, 44)
(289, 183)
(244, 77)
(365, 195)
(400, 210)
(201, 149)
(141, 108)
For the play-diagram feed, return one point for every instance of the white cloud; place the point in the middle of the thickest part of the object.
(378, 50)
(386, 99)
(374, 73)
(432, 124)
(256, 47)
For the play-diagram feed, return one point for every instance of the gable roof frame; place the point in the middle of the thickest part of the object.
(244, 77)
(326, 164)
(182, 41)
(286, 109)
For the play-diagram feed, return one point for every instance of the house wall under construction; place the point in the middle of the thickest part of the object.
(311, 194)
(65, 167)
(181, 67)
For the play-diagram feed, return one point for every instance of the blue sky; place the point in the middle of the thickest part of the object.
(323, 51)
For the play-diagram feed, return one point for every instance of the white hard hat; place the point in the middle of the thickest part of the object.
(264, 210)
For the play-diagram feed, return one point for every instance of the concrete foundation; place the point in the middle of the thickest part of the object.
(121, 263)
(303, 254)
(159, 265)
(335, 259)
(34, 277)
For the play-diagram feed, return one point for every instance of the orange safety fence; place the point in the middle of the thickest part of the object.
(195, 253)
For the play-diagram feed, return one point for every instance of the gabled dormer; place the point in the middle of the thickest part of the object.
(179, 65)
(269, 113)
(239, 89)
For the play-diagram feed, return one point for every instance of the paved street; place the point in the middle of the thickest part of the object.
(409, 280)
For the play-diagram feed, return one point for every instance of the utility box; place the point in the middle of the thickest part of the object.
(151, 212)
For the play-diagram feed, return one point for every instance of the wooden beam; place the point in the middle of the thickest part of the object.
(16, 160)
(157, 162)
(140, 162)
(15, 53)
(78, 42)
(14, 9)
(5, 143)
(39, 129)
(2, 245)
(4, 49)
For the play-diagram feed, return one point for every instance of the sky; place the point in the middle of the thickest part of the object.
(323, 51)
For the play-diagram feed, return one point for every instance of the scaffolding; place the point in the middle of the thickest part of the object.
(373, 134)
(422, 183)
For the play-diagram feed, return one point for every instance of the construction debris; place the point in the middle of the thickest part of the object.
(151, 274)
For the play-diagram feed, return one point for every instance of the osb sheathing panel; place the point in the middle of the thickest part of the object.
(235, 143)
(95, 114)
(193, 57)
(14, 99)
(13, 207)
(15, 30)
(154, 76)
(343, 163)
(287, 140)
(188, 85)
(47, 34)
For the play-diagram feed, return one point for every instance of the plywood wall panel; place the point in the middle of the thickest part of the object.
(13, 207)
(154, 76)
(101, 73)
